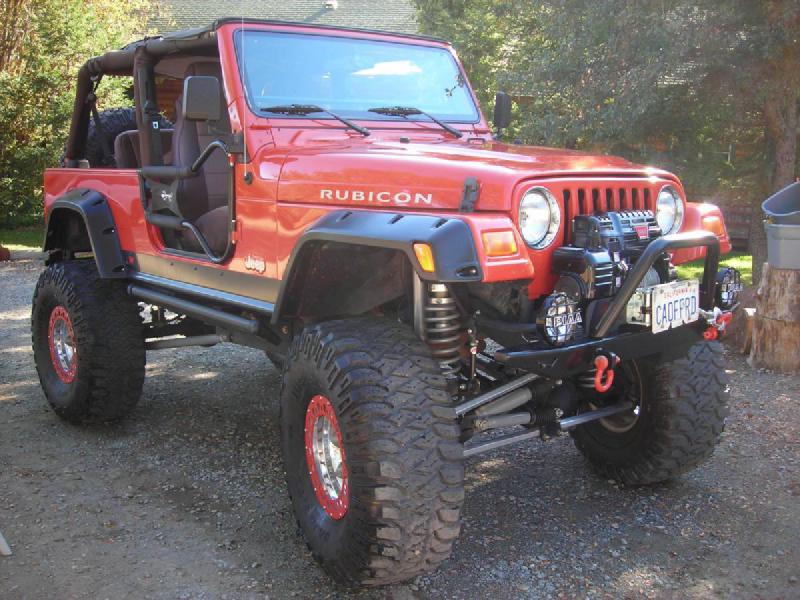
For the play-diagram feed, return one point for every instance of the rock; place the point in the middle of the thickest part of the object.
(5, 549)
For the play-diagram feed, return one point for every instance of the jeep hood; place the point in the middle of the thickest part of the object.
(396, 175)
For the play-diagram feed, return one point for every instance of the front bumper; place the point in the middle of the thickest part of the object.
(605, 326)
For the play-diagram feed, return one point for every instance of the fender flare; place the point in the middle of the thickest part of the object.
(93, 209)
(698, 216)
(452, 242)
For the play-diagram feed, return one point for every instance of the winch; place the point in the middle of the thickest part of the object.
(594, 266)
(603, 248)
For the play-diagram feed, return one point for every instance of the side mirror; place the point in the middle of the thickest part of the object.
(201, 96)
(502, 110)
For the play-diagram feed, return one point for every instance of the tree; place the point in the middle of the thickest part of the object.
(706, 88)
(42, 45)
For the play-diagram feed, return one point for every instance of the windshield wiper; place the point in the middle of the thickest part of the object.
(307, 109)
(407, 111)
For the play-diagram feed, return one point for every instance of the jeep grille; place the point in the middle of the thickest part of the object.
(593, 196)
(590, 200)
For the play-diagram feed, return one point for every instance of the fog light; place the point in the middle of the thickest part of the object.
(729, 285)
(558, 319)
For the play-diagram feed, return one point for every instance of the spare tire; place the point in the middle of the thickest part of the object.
(113, 121)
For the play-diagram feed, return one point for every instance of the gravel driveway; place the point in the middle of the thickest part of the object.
(186, 499)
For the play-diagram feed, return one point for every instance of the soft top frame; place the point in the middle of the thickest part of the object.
(198, 40)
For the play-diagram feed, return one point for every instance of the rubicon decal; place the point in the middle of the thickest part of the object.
(382, 197)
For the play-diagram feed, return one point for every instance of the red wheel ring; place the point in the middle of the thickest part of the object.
(325, 457)
(61, 340)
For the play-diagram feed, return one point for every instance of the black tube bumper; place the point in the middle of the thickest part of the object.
(559, 363)
(654, 250)
(604, 324)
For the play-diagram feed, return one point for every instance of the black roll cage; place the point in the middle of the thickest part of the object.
(121, 62)
(137, 60)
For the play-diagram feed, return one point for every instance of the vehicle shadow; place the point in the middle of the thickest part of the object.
(192, 488)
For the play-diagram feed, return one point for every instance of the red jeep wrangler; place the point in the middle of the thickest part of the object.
(335, 198)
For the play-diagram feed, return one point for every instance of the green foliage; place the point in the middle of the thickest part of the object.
(738, 260)
(681, 84)
(23, 238)
(42, 45)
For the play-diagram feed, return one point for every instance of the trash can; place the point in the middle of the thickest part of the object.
(783, 227)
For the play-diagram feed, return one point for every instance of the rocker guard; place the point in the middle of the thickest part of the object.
(570, 360)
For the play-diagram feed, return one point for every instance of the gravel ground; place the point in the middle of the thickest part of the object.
(186, 499)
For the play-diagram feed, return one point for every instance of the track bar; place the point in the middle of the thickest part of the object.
(500, 442)
(594, 415)
(504, 389)
(564, 424)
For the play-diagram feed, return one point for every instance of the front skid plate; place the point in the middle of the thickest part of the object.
(563, 362)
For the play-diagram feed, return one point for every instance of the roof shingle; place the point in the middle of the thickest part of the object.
(392, 15)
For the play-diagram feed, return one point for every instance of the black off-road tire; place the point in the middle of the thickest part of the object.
(401, 443)
(681, 418)
(114, 122)
(106, 381)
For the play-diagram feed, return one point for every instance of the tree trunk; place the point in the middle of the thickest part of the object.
(781, 116)
(776, 328)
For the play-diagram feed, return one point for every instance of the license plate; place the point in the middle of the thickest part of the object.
(674, 304)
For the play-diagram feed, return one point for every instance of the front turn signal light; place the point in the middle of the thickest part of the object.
(499, 243)
(425, 257)
(714, 224)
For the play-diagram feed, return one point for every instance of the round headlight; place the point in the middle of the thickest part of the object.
(669, 210)
(539, 217)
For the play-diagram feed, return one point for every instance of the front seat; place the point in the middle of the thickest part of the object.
(203, 200)
(127, 153)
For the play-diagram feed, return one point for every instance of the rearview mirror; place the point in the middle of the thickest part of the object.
(502, 110)
(201, 96)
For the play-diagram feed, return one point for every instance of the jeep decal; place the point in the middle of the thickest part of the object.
(255, 263)
(382, 197)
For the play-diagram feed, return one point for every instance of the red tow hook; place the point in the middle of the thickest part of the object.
(718, 327)
(604, 368)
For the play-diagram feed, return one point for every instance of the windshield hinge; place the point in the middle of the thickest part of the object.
(470, 196)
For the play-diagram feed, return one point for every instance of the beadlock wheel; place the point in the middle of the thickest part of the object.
(371, 450)
(61, 340)
(326, 458)
(87, 341)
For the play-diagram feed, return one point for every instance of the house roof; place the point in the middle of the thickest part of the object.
(388, 15)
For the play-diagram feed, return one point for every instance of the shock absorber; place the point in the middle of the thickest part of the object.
(439, 323)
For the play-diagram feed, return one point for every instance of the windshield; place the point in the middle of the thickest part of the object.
(351, 76)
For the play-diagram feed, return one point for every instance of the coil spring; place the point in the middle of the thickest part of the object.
(443, 328)
(586, 379)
